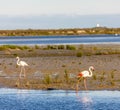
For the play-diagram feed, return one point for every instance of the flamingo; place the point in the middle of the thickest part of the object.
(22, 64)
(84, 74)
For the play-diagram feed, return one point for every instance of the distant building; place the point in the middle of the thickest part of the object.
(98, 25)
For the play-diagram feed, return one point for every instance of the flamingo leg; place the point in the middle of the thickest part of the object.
(85, 83)
(77, 84)
(20, 73)
(24, 71)
(27, 82)
(18, 82)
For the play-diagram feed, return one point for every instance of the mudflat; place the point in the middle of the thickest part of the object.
(57, 68)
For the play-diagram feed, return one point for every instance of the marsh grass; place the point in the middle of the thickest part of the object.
(103, 78)
(94, 77)
(66, 76)
(80, 50)
(112, 75)
(6, 47)
(47, 79)
(112, 83)
(37, 47)
(64, 81)
(70, 47)
(52, 47)
(61, 47)
(56, 78)
(79, 54)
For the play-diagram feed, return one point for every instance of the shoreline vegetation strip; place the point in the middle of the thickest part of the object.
(74, 31)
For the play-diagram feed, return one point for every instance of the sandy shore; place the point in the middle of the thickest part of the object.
(58, 69)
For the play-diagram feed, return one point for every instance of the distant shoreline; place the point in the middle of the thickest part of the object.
(62, 32)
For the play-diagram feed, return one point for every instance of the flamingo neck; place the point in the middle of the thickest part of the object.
(18, 61)
(90, 71)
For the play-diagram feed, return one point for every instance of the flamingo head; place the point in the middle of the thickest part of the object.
(17, 57)
(92, 68)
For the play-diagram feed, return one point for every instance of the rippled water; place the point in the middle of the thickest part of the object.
(14, 99)
(47, 40)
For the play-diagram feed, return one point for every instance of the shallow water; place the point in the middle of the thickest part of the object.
(14, 99)
(53, 40)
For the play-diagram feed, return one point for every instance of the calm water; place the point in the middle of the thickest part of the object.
(47, 40)
(13, 99)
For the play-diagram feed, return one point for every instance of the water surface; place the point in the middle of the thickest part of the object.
(14, 99)
(55, 40)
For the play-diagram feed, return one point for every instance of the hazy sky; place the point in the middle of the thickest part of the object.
(38, 7)
(42, 12)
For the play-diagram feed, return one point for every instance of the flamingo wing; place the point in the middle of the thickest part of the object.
(80, 75)
(23, 63)
(85, 73)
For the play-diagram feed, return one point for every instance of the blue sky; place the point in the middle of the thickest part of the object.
(38, 14)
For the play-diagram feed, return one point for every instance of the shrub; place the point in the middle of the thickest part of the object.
(30, 50)
(70, 47)
(98, 53)
(79, 54)
(47, 79)
(36, 47)
(102, 77)
(51, 47)
(60, 46)
(2, 48)
(10, 46)
(112, 83)
(15, 54)
(26, 47)
(94, 77)
(112, 74)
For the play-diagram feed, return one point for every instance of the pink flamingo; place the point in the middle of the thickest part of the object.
(22, 64)
(84, 75)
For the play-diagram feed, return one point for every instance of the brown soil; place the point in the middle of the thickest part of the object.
(58, 62)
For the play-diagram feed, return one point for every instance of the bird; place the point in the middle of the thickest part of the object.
(22, 64)
(84, 74)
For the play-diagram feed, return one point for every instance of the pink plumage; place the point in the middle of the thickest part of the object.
(80, 75)
(86, 73)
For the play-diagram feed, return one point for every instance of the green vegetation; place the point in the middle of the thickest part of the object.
(59, 50)
(66, 76)
(6, 47)
(47, 79)
(65, 81)
(70, 47)
(112, 74)
(79, 54)
(94, 77)
(61, 47)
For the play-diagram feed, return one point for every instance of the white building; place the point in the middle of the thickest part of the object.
(98, 25)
